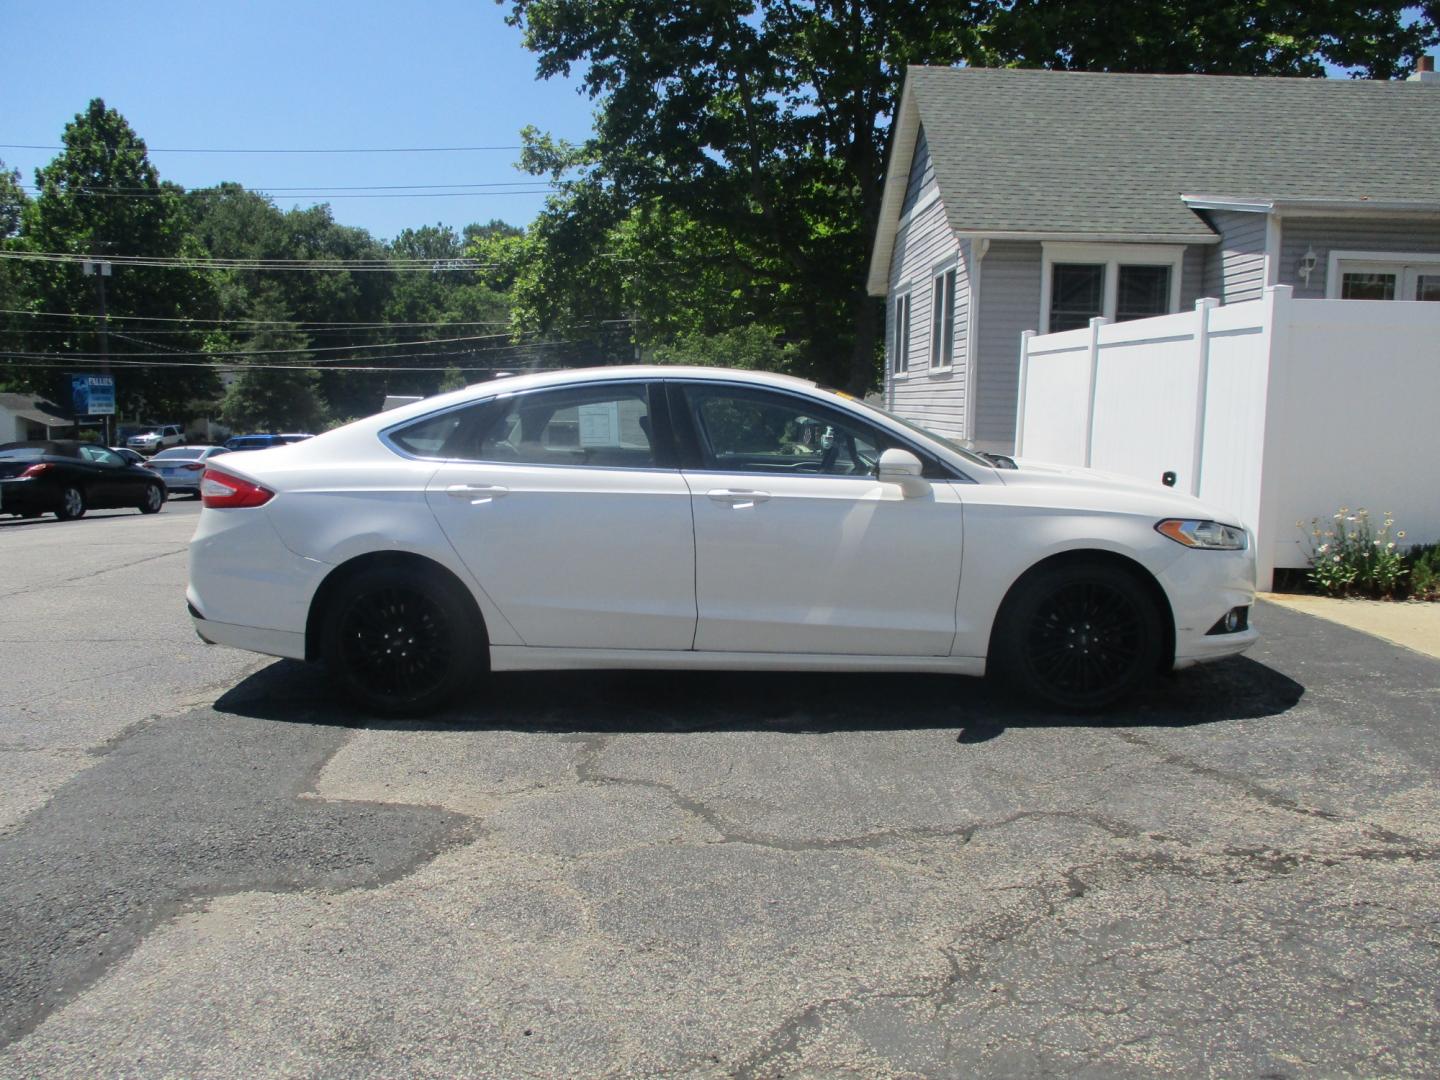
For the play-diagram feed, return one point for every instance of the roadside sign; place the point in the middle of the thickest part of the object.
(93, 395)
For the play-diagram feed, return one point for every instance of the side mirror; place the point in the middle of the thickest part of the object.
(904, 468)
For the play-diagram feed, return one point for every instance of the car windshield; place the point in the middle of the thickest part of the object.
(181, 452)
(949, 444)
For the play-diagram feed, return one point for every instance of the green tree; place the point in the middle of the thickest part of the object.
(102, 196)
(759, 127)
(277, 388)
(12, 210)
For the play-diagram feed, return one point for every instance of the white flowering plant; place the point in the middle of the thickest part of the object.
(1349, 556)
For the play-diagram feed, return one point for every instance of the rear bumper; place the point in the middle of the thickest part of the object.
(23, 496)
(247, 589)
(251, 638)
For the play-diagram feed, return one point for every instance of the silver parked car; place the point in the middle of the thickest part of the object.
(181, 467)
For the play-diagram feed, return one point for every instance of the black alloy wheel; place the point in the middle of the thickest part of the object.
(154, 499)
(1080, 637)
(72, 504)
(402, 642)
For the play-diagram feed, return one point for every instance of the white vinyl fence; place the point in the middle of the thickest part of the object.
(1276, 410)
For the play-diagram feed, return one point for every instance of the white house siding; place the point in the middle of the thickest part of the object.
(922, 173)
(1235, 267)
(1009, 305)
(1192, 275)
(923, 246)
(1299, 234)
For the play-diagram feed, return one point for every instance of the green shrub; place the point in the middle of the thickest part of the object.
(1348, 557)
(1424, 571)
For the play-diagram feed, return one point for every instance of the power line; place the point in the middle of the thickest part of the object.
(246, 325)
(288, 150)
(262, 189)
(90, 193)
(172, 262)
(296, 324)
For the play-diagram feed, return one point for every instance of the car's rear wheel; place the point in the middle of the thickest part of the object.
(401, 641)
(72, 504)
(1079, 636)
(154, 499)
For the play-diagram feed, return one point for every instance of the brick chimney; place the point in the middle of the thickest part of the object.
(1424, 72)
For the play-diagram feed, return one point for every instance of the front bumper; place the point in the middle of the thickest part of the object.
(1202, 586)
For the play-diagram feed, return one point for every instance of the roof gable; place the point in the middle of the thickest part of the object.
(1105, 156)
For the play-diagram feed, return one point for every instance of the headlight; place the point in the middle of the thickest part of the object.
(1203, 534)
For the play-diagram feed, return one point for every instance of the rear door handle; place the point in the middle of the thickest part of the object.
(476, 493)
(738, 498)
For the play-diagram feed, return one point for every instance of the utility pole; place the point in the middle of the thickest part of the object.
(101, 269)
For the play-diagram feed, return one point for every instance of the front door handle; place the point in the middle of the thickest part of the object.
(476, 493)
(738, 498)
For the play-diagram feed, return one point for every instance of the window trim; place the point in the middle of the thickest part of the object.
(1378, 262)
(1111, 257)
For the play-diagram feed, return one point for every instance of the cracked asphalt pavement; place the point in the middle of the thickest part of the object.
(208, 868)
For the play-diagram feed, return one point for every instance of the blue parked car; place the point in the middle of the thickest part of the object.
(263, 442)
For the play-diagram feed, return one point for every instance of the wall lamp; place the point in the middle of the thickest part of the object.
(1308, 262)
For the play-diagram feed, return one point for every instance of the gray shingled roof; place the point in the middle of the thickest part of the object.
(1084, 152)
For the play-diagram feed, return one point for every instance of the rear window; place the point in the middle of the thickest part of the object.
(188, 452)
(22, 453)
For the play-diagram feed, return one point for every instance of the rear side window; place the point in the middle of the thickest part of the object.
(607, 426)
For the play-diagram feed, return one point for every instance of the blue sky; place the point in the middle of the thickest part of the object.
(263, 74)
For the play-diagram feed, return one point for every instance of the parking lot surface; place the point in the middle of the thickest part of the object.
(208, 868)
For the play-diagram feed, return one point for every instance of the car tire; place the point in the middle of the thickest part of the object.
(401, 640)
(154, 499)
(1078, 636)
(72, 504)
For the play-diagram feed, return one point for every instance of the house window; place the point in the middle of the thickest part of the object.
(900, 349)
(1114, 281)
(942, 324)
(1077, 295)
(1143, 291)
(1361, 275)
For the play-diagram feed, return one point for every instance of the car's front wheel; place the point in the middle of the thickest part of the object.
(1078, 636)
(154, 499)
(401, 641)
(72, 504)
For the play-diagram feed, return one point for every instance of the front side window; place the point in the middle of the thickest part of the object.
(750, 431)
(98, 455)
(942, 325)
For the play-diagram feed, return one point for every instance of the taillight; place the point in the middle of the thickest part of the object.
(194, 466)
(220, 490)
(36, 469)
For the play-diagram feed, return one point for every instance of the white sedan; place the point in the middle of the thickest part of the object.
(668, 517)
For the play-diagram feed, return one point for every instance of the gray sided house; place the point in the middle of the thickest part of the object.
(1038, 200)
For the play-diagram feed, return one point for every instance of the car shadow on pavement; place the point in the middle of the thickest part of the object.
(614, 702)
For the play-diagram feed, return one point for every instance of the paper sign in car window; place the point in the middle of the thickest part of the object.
(600, 424)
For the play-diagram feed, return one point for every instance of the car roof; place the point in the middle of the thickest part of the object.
(514, 384)
(48, 446)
